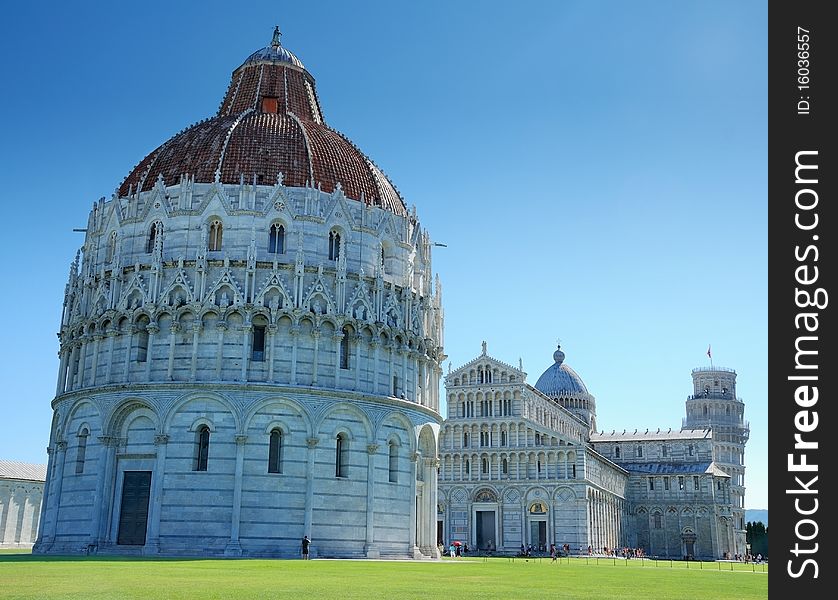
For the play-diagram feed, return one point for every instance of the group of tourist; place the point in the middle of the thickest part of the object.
(748, 558)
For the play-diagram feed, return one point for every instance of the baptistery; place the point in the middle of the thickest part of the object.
(250, 346)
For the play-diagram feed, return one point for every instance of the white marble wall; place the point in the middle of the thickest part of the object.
(20, 507)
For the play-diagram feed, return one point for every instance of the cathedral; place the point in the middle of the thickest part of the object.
(250, 346)
(524, 465)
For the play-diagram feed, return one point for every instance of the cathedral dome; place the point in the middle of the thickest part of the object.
(559, 379)
(269, 128)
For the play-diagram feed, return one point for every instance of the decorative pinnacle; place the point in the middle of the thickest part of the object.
(275, 41)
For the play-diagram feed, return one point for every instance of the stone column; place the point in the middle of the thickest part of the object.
(374, 346)
(95, 362)
(111, 333)
(152, 545)
(430, 493)
(414, 496)
(370, 547)
(153, 329)
(271, 331)
(358, 341)
(294, 332)
(175, 327)
(234, 546)
(71, 372)
(246, 329)
(219, 358)
(196, 332)
(62, 372)
(55, 490)
(391, 348)
(336, 338)
(126, 363)
(85, 340)
(403, 353)
(104, 488)
(312, 448)
(315, 333)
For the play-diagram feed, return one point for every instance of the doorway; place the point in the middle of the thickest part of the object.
(486, 530)
(538, 535)
(133, 514)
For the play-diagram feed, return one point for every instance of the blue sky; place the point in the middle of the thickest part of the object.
(597, 170)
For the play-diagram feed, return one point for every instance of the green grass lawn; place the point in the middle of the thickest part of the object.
(91, 578)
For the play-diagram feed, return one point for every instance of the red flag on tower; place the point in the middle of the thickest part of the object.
(708, 352)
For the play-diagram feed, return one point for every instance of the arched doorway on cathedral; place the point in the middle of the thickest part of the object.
(537, 519)
(485, 520)
(688, 538)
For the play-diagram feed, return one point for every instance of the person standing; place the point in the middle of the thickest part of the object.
(306, 543)
(553, 552)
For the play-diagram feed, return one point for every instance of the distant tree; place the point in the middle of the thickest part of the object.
(756, 534)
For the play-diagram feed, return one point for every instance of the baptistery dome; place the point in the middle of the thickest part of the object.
(269, 126)
(250, 346)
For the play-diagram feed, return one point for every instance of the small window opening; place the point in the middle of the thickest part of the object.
(202, 448)
(276, 239)
(334, 245)
(81, 451)
(216, 232)
(275, 452)
(341, 456)
(394, 463)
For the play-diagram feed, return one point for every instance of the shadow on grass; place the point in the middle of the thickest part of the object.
(68, 558)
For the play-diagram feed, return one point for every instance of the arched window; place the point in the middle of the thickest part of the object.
(394, 462)
(202, 448)
(334, 245)
(640, 452)
(657, 517)
(276, 239)
(81, 450)
(111, 251)
(485, 465)
(664, 450)
(505, 466)
(616, 452)
(468, 466)
(155, 233)
(275, 452)
(503, 438)
(344, 349)
(341, 455)
(465, 439)
(258, 342)
(216, 232)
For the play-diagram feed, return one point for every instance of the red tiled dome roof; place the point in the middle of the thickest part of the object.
(269, 122)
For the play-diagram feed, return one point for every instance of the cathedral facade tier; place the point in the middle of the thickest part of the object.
(250, 346)
(523, 465)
